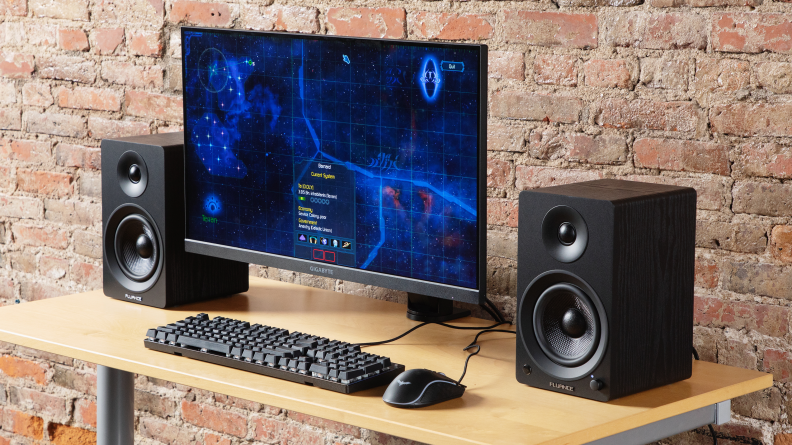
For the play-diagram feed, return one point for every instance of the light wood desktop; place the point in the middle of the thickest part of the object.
(494, 409)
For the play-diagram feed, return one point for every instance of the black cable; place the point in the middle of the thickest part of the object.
(489, 311)
(374, 343)
(490, 330)
(497, 311)
(464, 370)
(711, 428)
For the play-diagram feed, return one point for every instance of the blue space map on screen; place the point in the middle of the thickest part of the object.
(349, 152)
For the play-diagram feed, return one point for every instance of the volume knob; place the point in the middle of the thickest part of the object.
(596, 385)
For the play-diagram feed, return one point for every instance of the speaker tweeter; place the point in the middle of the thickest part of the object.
(564, 233)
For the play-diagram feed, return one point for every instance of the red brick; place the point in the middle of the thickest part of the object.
(502, 212)
(722, 75)
(389, 23)
(589, 3)
(47, 405)
(655, 30)
(14, 7)
(783, 439)
(20, 207)
(765, 159)
(72, 40)
(23, 369)
(707, 273)
(201, 14)
(6, 291)
(155, 404)
(86, 412)
(704, 3)
(27, 151)
(505, 138)
(88, 275)
(45, 182)
(68, 377)
(536, 107)
(69, 435)
(757, 278)
(16, 66)
(4, 441)
(279, 18)
(42, 34)
(107, 40)
(450, 26)
(506, 65)
(499, 173)
(155, 106)
(774, 76)
(328, 425)
(547, 143)
(164, 432)
(276, 430)
(144, 43)
(54, 268)
(647, 115)
(752, 119)
(23, 424)
(765, 319)
(779, 363)
(102, 99)
(751, 32)
(551, 29)
(88, 244)
(35, 93)
(736, 237)
(40, 236)
(682, 155)
(10, 119)
(60, 9)
(660, 72)
(34, 291)
(213, 439)
(124, 73)
(71, 211)
(762, 198)
(100, 128)
(68, 155)
(603, 149)
(170, 129)
(531, 177)
(8, 93)
(781, 243)
(609, 73)
(214, 418)
(556, 70)
(67, 68)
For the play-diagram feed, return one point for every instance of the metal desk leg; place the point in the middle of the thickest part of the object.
(115, 413)
(718, 414)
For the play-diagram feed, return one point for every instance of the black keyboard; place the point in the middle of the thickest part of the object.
(274, 352)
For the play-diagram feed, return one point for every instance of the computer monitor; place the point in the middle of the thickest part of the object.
(354, 159)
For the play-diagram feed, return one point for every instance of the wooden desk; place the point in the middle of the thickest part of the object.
(495, 408)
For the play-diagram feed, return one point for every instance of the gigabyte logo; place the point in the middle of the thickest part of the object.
(133, 297)
(321, 270)
(560, 386)
(402, 383)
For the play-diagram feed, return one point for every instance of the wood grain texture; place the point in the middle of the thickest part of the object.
(496, 409)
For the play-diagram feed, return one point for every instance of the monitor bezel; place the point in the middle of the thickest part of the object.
(346, 273)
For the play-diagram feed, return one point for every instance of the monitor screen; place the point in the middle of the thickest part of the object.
(359, 153)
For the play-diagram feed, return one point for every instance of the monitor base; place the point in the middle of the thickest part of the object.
(432, 309)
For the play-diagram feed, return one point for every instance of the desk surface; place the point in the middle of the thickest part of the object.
(494, 409)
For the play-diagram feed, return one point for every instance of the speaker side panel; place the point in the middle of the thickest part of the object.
(653, 291)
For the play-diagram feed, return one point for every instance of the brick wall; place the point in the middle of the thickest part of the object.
(688, 92)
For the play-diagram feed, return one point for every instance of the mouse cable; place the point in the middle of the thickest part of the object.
(478, 349)
(711, 428)
(374, 343)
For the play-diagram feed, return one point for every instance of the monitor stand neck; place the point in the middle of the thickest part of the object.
(432, 309)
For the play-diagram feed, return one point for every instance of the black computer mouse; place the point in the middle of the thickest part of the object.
(421, 387)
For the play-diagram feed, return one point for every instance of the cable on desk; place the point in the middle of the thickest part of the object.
(478, 349)
(498, 316)
(374, 343)
(711, 428)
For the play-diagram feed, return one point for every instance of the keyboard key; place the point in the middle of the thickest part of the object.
(212, 346)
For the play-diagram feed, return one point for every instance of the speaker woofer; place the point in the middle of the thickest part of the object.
(566, 324)
(133, 250)
(562, 325)
(136, 248)
(564, 233)
(132, 174)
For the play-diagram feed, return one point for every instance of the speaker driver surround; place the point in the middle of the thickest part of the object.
(564, 233)
(133, 250)
(132, 174)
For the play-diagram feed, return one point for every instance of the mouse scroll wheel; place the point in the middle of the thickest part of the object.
(442, 374)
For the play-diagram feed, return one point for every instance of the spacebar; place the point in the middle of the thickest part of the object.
(201, 344)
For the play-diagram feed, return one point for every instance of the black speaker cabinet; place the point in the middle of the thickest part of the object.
(143, 229)
(605, 287)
